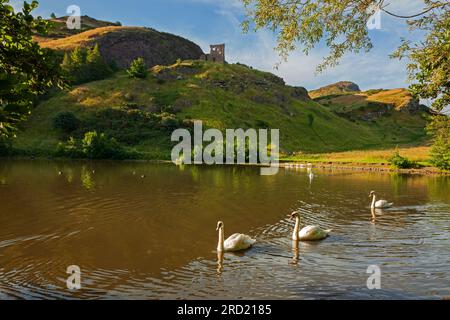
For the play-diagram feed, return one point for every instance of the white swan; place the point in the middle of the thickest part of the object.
(309, 233)
(236, 242)
(380, 204)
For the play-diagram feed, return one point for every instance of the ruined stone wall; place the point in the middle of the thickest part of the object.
(217, 54)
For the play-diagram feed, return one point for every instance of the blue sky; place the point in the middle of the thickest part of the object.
(216, 21)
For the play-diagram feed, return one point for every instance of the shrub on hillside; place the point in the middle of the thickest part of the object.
(70, 149)
(66, 121)
(440, 153)
(84, 65)
(138, 69)
(99, 146)
(92, 146)
(400, 162)
(97, 67)
(439, 129)
(169, 121)
(128, 125)
(310, 119)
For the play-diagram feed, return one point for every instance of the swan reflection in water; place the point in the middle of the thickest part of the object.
(376, 212)
(220, 255)
(295, 253)
(374, 216)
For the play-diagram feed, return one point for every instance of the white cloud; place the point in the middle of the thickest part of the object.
(370, 70)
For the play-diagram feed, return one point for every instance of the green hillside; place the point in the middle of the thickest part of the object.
(141, 113)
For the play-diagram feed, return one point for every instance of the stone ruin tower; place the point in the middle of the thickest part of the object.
(217, 54)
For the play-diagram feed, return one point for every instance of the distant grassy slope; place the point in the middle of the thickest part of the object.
(418, 154)
(89, 37)
(340, 87)
(59, 28)
(395, 112)
(223, 96)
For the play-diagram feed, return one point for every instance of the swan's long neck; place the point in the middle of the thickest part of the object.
(296, 229)
(220, 244)
(374, 201)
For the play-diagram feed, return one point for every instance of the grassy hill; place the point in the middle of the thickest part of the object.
(397, 98)
(120, 44)
(141, 113)
(59, 30)
(338, 88)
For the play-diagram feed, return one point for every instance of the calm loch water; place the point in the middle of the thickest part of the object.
(155, 238)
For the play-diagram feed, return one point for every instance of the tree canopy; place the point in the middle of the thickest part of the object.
(26, 70)
(341, 24)
(429, 60)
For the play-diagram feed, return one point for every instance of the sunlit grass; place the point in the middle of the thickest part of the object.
(419, 154)
(250, 99)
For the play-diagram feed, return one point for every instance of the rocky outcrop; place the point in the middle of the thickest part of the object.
(340, 87)
(300, 93)
(348, 86)
(122, 45)
(414, 106)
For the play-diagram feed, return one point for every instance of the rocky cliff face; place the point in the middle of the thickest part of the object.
(124, 44)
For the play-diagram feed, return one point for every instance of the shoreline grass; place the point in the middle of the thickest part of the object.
(378, 157)
(361, 160)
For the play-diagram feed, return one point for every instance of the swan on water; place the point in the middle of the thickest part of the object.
(380, 204)
(308, 233)
(236, 242)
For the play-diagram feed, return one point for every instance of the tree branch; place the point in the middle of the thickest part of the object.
(418, 14)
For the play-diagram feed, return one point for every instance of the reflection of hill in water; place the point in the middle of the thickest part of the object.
(155, 237)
